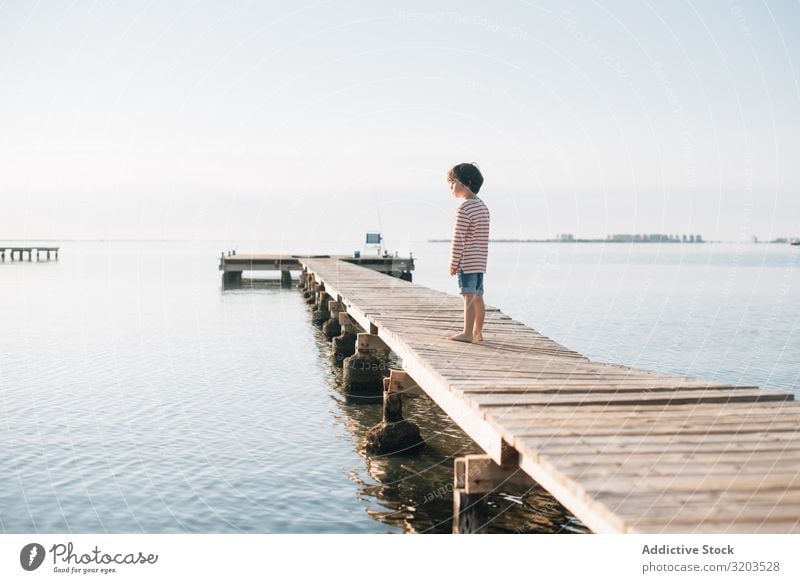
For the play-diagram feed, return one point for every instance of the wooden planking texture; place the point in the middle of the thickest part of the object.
(626, 450)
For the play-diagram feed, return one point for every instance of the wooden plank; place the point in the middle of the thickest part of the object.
(554, 449)
(575, 417)
(656, 467)
(790, 458)
(692, 483)
(655, 398)
(668, 441)
(635, 504)
(730, 429)
(544, 387)
(784, 527)
(705, 511)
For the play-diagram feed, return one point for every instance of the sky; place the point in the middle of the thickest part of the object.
(245, 120)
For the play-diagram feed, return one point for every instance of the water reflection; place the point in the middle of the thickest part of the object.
(414, 491)
(262, 283)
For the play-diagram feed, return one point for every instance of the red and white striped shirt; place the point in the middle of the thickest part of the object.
(470, 246)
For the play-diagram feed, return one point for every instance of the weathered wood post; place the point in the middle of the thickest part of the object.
(301, 284)
(395, 434)
(313, 297)
(321, 313)
(309, 289)
(469, 508)
(344, 344)
(332, 327)
(286, 278)
(475, 477)
(364, 371)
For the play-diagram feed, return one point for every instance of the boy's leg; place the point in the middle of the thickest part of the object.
(469, 313)
(480, 314)
(469, 319)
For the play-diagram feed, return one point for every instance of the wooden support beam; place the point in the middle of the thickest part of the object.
(469, 510)
(334, 307)
(481, 475)
(399, 381)
(370, 343)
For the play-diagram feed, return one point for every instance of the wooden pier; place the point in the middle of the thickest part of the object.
(625, 450)
(30, 250)
(233, 265)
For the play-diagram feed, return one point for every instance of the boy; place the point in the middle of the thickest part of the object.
(470, 247)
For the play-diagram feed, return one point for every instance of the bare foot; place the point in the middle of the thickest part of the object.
(461, 338)
(477, 339)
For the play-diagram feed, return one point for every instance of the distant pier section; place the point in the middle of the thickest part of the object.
(17, 252)
(232, 265)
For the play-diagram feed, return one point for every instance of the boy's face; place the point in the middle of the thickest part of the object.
(458, 189)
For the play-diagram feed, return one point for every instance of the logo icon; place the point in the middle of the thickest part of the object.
(31, 556)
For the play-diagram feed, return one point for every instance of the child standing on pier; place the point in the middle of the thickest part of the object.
(470, 247)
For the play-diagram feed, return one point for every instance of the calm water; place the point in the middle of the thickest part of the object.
(138, 396)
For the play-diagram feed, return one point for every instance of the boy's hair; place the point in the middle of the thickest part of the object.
(468, 175)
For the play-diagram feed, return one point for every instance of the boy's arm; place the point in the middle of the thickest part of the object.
(459, 237)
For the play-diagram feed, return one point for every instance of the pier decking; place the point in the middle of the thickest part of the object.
(625, 450)
(232, 266)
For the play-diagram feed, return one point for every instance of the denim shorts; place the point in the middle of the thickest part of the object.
(470, 283)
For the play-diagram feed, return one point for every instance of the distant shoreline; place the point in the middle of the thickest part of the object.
(616, 242)
(571, 241)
